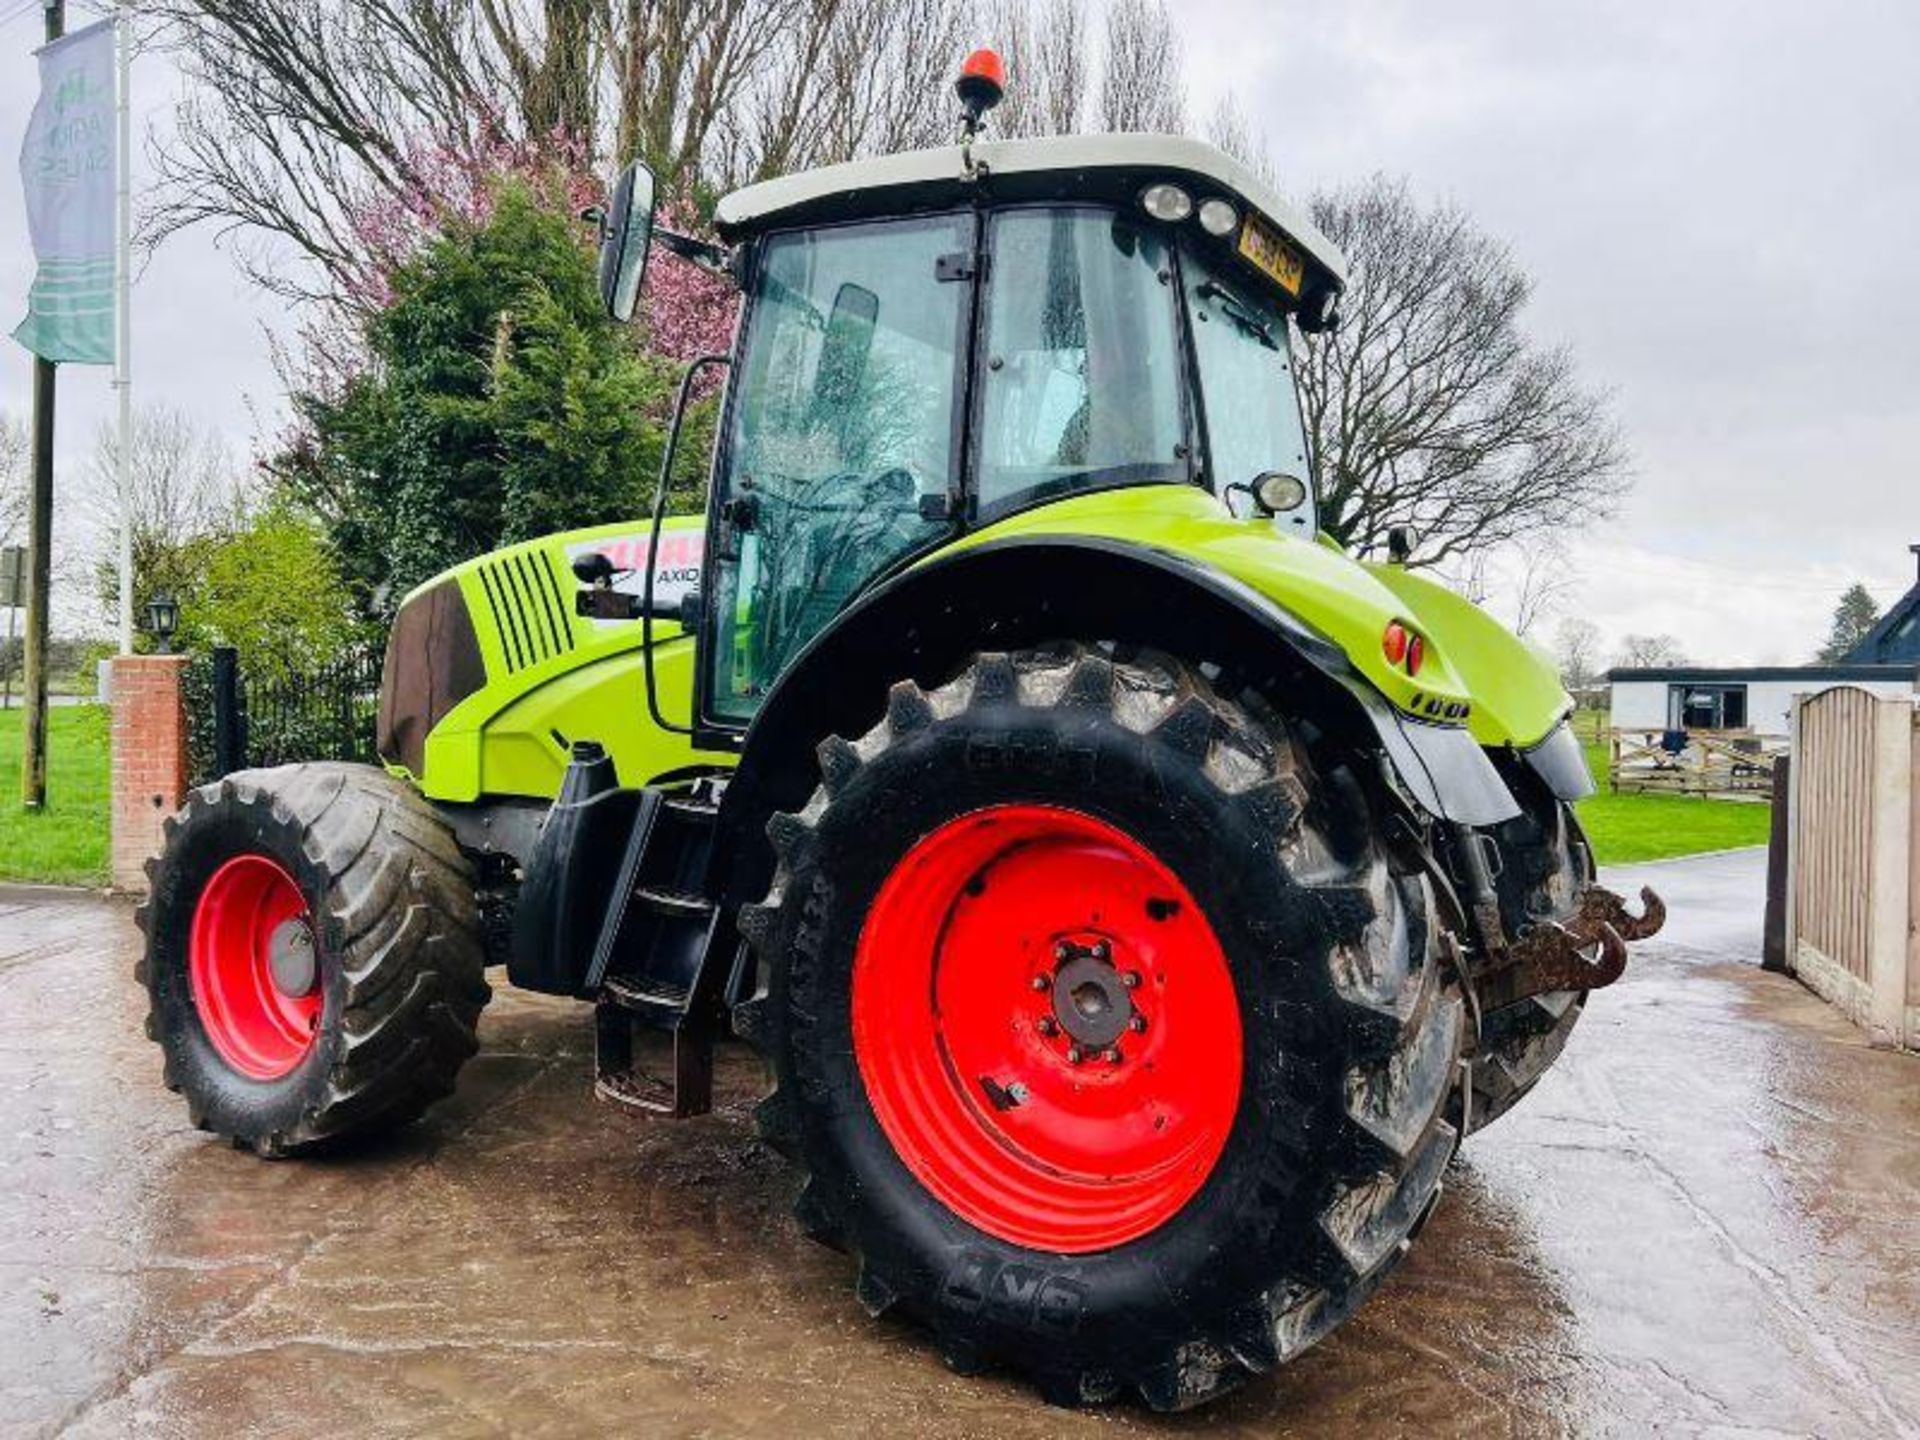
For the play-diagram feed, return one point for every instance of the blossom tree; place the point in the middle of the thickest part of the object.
(687, 311)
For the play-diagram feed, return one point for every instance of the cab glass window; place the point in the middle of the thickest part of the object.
(1080, 381)
(841, 445)
(1253, 423)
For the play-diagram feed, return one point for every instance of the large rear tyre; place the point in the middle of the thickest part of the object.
(1108, 1038)
(313, 962)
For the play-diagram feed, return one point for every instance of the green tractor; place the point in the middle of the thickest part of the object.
(1135, 898)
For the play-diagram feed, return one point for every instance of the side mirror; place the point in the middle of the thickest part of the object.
(1400, 543)
(593, 568)
(626, 231)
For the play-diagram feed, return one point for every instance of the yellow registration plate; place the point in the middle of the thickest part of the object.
(1264, 247)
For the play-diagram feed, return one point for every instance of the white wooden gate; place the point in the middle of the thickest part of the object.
(1853, 913)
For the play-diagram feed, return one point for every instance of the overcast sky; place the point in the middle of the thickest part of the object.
(1719, 202)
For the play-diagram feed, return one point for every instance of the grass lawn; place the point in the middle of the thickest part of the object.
(67, 842)
(1626, 828)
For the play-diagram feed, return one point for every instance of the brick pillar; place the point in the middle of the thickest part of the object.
(149, 759)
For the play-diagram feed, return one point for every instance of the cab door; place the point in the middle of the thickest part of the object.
(842, 442)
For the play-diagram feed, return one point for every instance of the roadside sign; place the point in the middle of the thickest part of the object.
(13, 576)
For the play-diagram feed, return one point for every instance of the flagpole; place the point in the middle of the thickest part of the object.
(33, 669)
(123, 304)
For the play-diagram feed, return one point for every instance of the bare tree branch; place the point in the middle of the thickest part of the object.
(1576, 644)
(13, 480)
(1233, 132)
(1650, 651)
(303, 112)
(1141, 87)
(1044, 43)
(1431, 408)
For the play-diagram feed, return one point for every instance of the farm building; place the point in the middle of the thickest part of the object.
(1757, 698)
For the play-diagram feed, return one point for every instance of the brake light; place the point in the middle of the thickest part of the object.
(1416, 652)
(1394, 642)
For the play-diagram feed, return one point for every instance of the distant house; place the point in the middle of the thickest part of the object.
(1896, 639)
(1757, 698)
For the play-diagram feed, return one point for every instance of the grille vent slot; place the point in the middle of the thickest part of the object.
(529, 612)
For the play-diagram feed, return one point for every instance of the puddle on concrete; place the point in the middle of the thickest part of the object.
(1707, 1216)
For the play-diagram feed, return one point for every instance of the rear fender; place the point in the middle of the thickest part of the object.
(1006, 594)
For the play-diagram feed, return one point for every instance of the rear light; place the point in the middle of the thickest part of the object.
(1394, 642)
(1416, 652)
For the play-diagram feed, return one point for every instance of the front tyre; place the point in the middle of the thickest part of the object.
(1107, 1036)
(313, 964)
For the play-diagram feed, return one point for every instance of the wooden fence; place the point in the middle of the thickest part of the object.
(1853, 857)
(1725, 764)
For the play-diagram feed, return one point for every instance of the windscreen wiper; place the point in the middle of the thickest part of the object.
(1238, 313)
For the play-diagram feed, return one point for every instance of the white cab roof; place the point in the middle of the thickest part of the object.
(758, 206)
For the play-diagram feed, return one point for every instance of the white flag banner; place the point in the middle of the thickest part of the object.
(66, 165)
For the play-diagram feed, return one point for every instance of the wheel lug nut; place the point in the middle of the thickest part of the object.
(1039, 982)
(1063, 951)
(1114, 1055)
(1101, 950)
(1138, 1024)
(1131, 979)
(1074, 1055)
(1046, 1025)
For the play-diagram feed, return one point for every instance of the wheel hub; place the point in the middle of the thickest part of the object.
(290, 958)
(1047, 1028)
(1091, 1003)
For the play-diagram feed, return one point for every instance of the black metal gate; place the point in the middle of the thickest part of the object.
(237, 721)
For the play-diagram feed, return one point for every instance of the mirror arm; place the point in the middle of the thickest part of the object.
(699, 364)
(709, 257)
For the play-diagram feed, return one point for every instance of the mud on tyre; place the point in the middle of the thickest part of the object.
(313, 964)
(1339, 1036)
(1547, 867)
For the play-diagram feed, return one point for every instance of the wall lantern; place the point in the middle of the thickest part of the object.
(163, 618)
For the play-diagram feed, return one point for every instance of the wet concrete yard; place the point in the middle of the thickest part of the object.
(1707, 1218)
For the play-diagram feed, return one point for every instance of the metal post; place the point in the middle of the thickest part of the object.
(229, 735)
(13, 623)
(33, 683)
(123, 303)
(13, 579)
(1773, 929)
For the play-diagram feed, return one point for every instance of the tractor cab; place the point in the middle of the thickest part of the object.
(934, 342)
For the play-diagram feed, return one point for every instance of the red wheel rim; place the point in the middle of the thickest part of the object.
(999, 952)
(254, 967)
